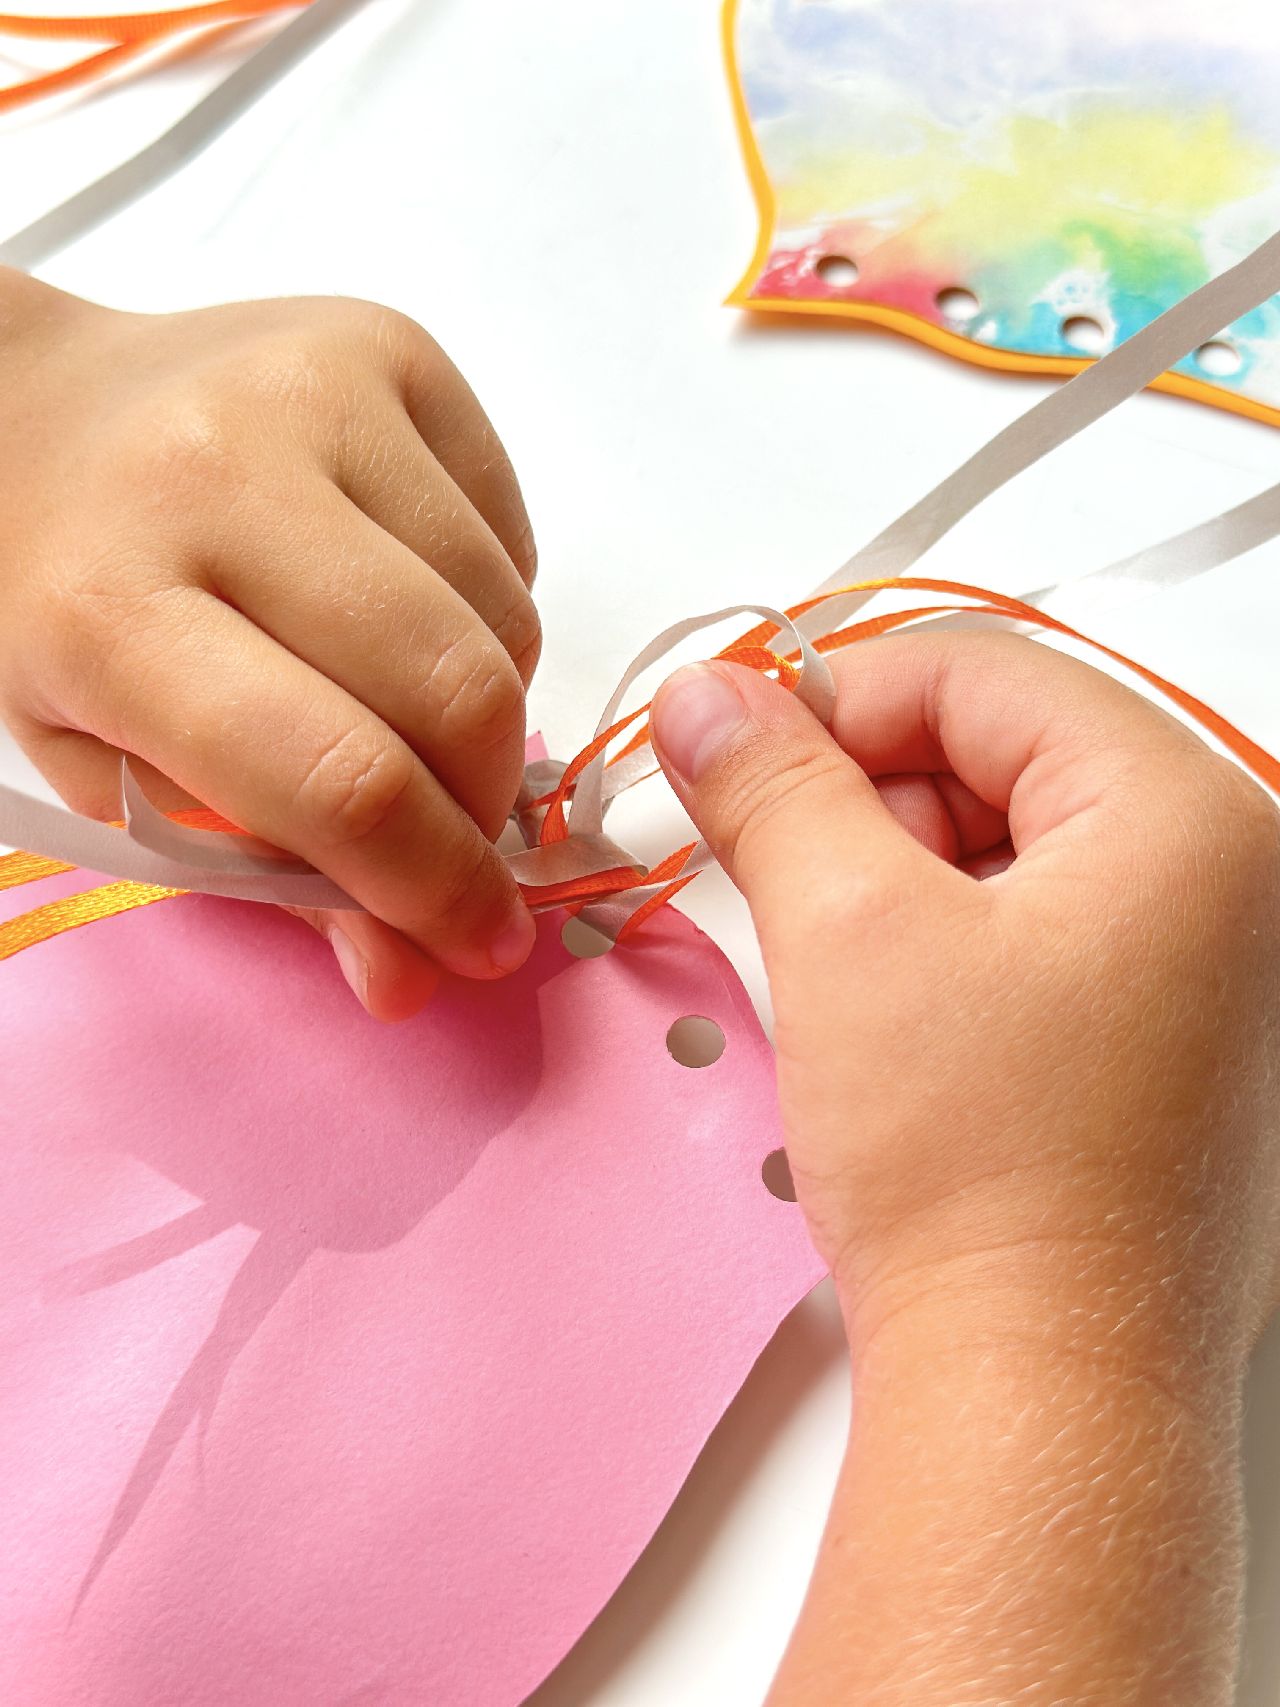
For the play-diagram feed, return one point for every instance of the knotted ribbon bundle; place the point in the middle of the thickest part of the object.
(570, 859)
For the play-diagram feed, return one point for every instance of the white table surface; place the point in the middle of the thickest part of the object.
(555, 191)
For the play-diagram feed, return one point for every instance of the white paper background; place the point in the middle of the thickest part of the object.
(555, 191)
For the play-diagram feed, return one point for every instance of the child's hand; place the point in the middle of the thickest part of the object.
(1031, 1122)
(277, 552)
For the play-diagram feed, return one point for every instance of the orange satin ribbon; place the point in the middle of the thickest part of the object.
(129, 35)
(56, 917)
(68, 914)
(751, 651)
(18, 868)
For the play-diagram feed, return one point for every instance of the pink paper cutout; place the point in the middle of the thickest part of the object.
(346, 1364)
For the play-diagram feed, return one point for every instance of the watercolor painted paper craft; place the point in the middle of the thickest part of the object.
(1020, 187)
(352, 1363)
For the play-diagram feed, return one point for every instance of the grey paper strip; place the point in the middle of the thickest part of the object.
(206, 850)
(40, 828)
(1058, 417)
(627, 772)
(815, 687)
(1171, 563)
(108, 195)
(561, 862)
(611, 913)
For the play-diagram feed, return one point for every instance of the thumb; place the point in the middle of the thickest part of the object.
(785, 810)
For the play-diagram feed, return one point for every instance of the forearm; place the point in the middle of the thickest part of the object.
(1011, 1527)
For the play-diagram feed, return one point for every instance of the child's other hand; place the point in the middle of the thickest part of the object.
(1031, 1123)
(276, 551)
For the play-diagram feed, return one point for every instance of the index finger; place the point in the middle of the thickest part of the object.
(1033, 734)
(282, 751)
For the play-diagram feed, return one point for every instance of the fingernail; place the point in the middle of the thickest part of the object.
(696, 713)
(355, 968)
(514, 942)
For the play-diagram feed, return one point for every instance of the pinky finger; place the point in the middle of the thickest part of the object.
(391, 978)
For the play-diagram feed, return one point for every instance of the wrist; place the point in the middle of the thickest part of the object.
(1106, 1269)
(1018, 1523)
(1040, 1498)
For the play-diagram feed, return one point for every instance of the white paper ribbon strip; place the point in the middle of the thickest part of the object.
(182, 142)
(1066, 411)
(40, 828)
(815, 687)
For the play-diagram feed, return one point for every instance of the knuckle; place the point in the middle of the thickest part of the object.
(187, 449)
(323, 322)
(486, 708)
(295, 382)
(395, 337)
(299, 376)
(292, 377)
(520, 632)
(1252, 817)
(524, 552)
(463, 890)
(352, 789)
(1223, 810)
(860, 904)
(1249, 832)
(754, 795)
